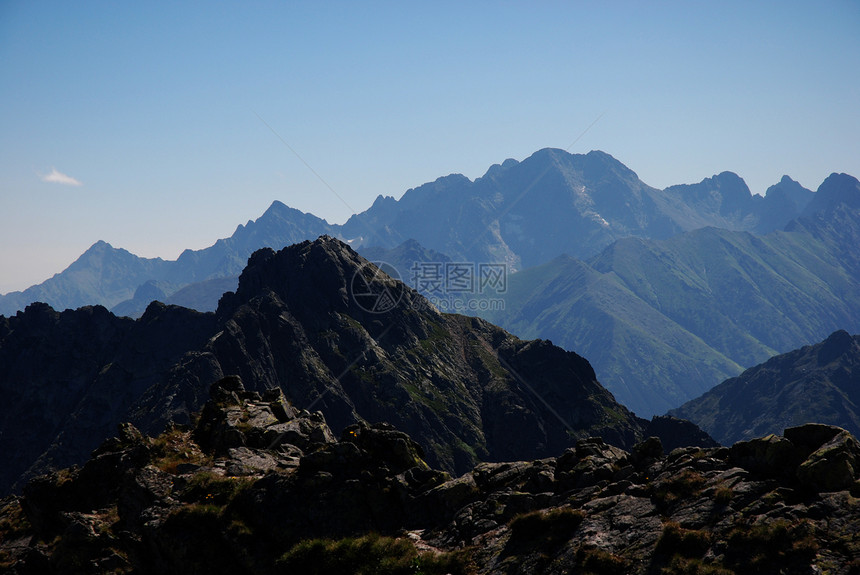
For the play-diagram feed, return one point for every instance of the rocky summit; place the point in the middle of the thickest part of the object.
(331, 331)
(259, 486)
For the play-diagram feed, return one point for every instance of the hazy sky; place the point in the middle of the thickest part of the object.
(150, 125)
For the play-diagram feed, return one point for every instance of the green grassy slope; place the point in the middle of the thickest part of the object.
(662, 321)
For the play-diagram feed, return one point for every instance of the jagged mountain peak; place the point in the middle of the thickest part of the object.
(728, 177)
(497, 169)
(334, 333)
(835, 191)
(278, 213)
(278, 205)
(722, 200)
(591, 160)
(548, 158)
(791, 189)
(728, 184)
(280, 210)
(606, 159)
(322, 276)
(383, 200)
(102, 248)
(100, 245)
(838, 345)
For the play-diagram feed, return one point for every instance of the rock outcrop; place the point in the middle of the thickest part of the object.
(68, 378)
(329, 330)
(234, 494)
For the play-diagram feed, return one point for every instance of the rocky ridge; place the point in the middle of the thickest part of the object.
(336, 335)
(258, 486)
(814, 383)
(68, 378)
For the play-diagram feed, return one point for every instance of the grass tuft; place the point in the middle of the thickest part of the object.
(370, 554)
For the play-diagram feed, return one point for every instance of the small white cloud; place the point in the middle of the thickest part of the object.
(56, 177)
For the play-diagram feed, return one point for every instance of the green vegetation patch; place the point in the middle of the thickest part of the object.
(723, 495)
(595, 561)
(175, 447)
(212, 489)
(684, 485)
(13, 521)
(545, 528)
(768, 546)
(675, 540)
(370, 554)
(693, 566)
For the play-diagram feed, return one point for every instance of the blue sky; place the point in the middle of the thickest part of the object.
(150, 125)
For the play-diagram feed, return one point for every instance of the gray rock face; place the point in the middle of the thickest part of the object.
(833, 466)
(818, 457)
(257, 433)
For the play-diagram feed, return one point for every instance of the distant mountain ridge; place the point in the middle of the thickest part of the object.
(108, 276)
(553, 202)
(816, 383)
(519, 213)
(663, 321)
(725, 201)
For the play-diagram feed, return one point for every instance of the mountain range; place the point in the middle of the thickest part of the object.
(336, 335)
(116, 279)
(519, 213)
(663, 307)
(527, 213)
(464, 448)
(663, 321)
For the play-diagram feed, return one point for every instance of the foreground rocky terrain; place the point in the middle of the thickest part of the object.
(258, 486)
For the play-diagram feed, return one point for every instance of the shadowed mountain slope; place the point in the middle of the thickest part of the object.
(816, 383)
(329, 329)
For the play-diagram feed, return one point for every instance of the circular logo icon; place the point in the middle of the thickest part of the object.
(376, 287)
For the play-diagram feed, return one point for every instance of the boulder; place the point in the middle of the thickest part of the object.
(646, 452)
(833, 466)
(382, 442)
(811, 436)
(235, 418)
(591, 461)
(769, 456)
